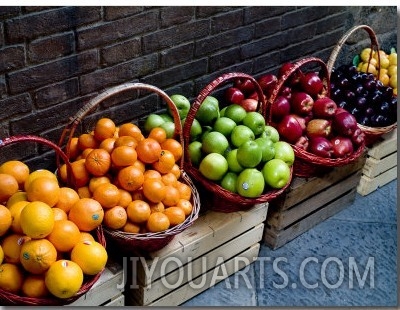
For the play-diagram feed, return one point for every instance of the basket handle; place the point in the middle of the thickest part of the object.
(342, 41)
(69, 130)
(37, 139)
(297, 65)
(206, 91)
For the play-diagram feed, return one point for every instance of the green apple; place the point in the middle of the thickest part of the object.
(214, 142)
(213, 166)
(233, 164)
(195, 154)
(276, 173)
(182, 104)
(228, 182)
(284, 151)
(271, 133)
(224, 125)
(250, 183)
(267, 148)
(249, 154)
(255, 121)
(235, 112)
(241, 134)
(222, 111)
(208, 111)
(195, 130)
(152, 121)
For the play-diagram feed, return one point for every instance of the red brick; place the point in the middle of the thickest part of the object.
(118, 12)
(56, 93)
(9, 12)
(259, 13)
(176, 55)
(207, 11)
(52, 47)
(225, 59)
(120, 52)
(174, 15)
(11, 58)
(227, 21)
(15, 105)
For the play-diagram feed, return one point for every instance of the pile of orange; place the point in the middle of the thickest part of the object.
(134, 176)
(46, 245)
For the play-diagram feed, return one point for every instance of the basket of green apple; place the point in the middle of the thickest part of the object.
(322, 134)
(234, 157)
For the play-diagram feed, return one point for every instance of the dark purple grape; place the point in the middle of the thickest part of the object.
(345, 105)
(356, 112)
(337, 95)
(376, 98)
(378, 120)
(385, 108)
(369, 111)
(370, 84)
(361, 102)
(364, 120)
(344, 83)
(393, 104)
(350, 96)
(387, 93)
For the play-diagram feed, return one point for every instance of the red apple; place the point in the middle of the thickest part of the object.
(280, 108)
(318, 127)
(342, 146)
(267, 83)
(295, 76)
(254, 95)
(358, 137)
(286, 91)
(290, 129)
(320, 146)
(249, 104)
(302, 143)
(234, 95)
(301, 120)
(301, 103)
(344, 123)
(246, 86)
(311, 83)
(324, 107)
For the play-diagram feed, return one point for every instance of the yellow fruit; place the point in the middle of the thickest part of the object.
(1, 255)
(64, 278)
(368, 68)
(37, 219)
(91, 256)
(44, 189)
(59, 214)
(68, 197)
(37, 255)
(34, 286)
(12, 245)
(393, 59)
(392, 70)
(65, 235)
(365, 54)
(38, 173)
(11, 278)
(86, 236)
(393, 81)
(5, 219)
(15, 211)
(8, 187)
(384, 77)
(395, 91)
(17, 169)
(18, 196)
(384, 62)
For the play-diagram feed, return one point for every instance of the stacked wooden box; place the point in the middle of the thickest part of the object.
(188, 265)
(309, 201)
(381, 164)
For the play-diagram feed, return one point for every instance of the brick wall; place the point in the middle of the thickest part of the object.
(54, 59)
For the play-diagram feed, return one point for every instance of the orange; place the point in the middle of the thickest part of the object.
(11, 245)
(125, 198)
(174, 147)
(87, 214)
(185, 191)
(169, 179)
(130, 227)
(37, 219)
(44, 189)
(64, 278)
(8, 187)
(130, 178)
(34, 286)
(139, 165)
(73, 151)
(18, 169)
(1, 255)
(84, 192)
(107, 144)
(5, 220)
(172, 196)
(115, 218)
(148, 150)
(151, 174)
(37, 255)
(176, 170)
(98, 162)
(67, 198)
(125, 141)
(59, 214)
(18, 196)
(175, 215)
(157, 222)
(185, 205)
(158, 133)
(62, 173)
(130, 129)
(165, 162)
(86, 141)
(85, 236)
(138, 194)
(65, 235)
(11, 278)
(96, 181)
(91, 256)
(37, 174)
(138, 211)
(15, 211)
(107, 194)
(123, 156)
(157, 207)
(81, 175)
(104, 128)
(154, 190)
(85, 153)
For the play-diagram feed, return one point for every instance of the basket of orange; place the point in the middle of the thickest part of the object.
(234, 162)
(136, 176)
(367, 86)
(322, 134)
(47, 257)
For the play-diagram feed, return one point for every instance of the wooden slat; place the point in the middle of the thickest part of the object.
(197, 267)
(277, 238)
(118, 301)
(368, 185)
(385, 147)
(374, 167)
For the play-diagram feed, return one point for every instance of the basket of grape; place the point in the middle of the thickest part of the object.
(367, 87)
(136, 176)
(47, 257)
(236, 160)
(322, 134)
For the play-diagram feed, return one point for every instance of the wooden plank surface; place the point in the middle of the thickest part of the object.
(368, 185)
(197, 267)
(385, 147)
(374, 167)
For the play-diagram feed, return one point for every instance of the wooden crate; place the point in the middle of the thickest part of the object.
(381, 164)
(107, 291)
(309, 201)
(216, 242)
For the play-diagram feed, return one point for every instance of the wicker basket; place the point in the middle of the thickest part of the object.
(140, 243)
(7, 298)
(372, 134)
(216, 197)
(308, 164)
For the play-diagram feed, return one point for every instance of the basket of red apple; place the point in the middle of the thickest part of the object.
(233, 156)
(322, 134)
(367, 87)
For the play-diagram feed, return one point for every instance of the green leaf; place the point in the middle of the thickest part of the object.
(393, 50)
(356, 60)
